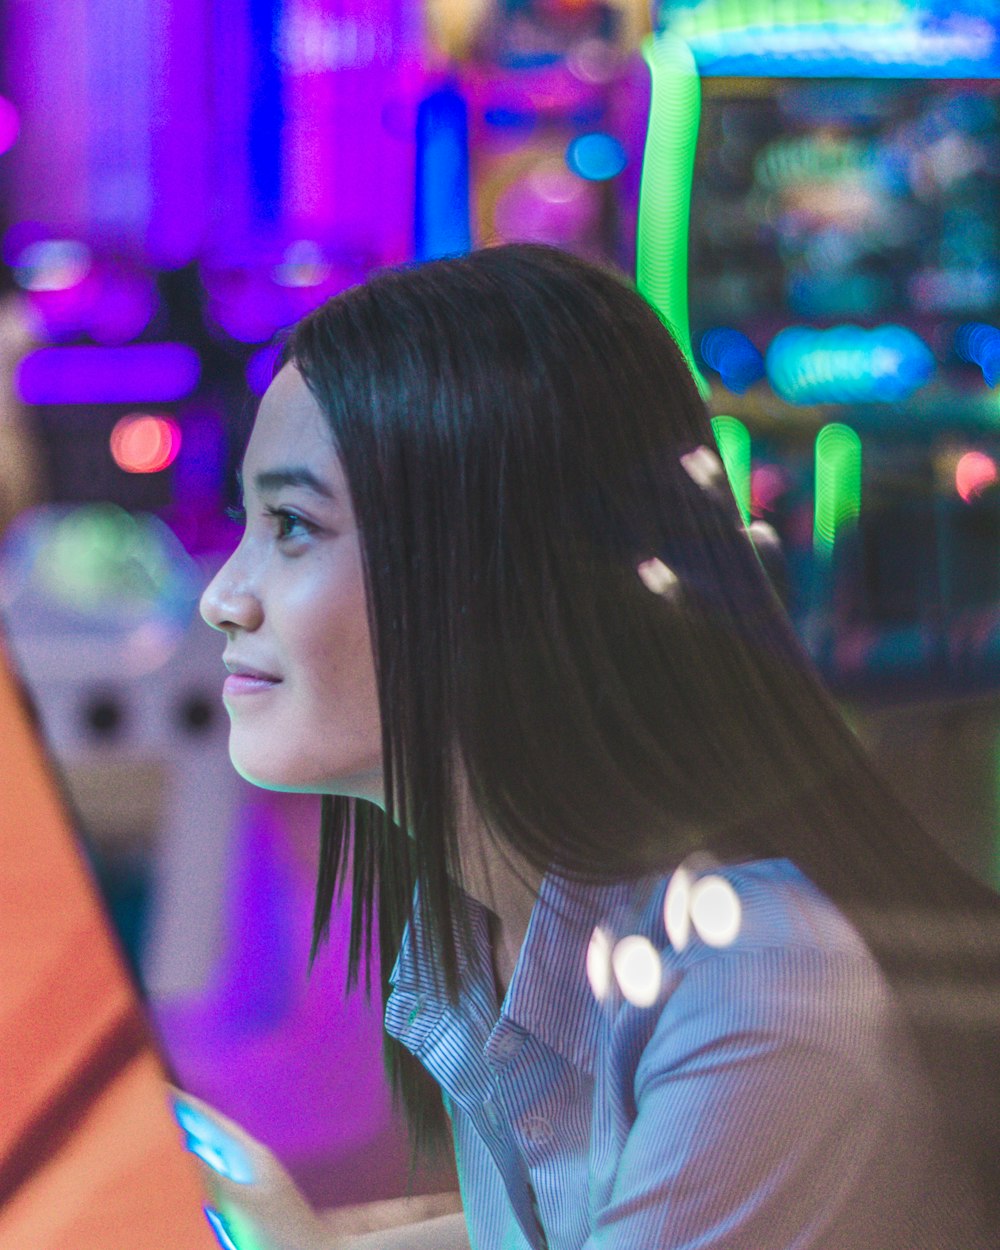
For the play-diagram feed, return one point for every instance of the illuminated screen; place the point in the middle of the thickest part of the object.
(90, 1156)
(874, 38)
(844, 239)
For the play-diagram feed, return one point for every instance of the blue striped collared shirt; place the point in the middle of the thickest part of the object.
(766, 1099)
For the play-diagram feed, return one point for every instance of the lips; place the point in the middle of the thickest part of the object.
(238, 669)
(246, 679)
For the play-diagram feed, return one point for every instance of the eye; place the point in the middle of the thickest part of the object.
(288, 524)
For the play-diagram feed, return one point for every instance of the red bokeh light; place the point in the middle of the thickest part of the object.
(142, 443)
(768, 482)
(973, 473)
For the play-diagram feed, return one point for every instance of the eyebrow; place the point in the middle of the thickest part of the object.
(270, 480)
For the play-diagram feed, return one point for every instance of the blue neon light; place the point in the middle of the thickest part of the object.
(596, 157)
(261, 367)
(979, 344)
(267, 109)
(137, 374)
(733, 357)
(502, 118)
(896, 38)
(221, 1229)
(848, 364)
(441, 218)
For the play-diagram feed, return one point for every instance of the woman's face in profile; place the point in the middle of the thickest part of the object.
(301, 694)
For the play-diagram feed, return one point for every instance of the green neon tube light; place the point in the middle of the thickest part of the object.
(665, 187)
(717, 16)
(838, 484)
(733, 440)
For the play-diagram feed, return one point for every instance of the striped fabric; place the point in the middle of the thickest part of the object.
(767, 1100)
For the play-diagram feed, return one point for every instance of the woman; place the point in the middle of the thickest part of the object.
(492, 603)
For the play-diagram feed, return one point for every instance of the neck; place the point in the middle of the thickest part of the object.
(506, 884)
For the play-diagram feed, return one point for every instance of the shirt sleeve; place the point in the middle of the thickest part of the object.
(763, 1103)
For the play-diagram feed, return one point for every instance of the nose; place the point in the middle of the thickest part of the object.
(229, 603)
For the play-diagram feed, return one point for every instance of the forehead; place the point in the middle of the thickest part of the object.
(290, 425)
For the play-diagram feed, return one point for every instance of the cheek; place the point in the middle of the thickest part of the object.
(333, 659)
(322, 726)
(339, 669)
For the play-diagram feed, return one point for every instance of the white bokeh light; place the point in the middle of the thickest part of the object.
(703, 467)
(636, 964)
(676, 909)
(657, 576)
(715, 911)
(599, 963)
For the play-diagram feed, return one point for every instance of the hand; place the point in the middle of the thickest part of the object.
(255, 1204)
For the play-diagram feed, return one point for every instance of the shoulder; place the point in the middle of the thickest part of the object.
(770, 1095)
(778, 907)
(761, 964)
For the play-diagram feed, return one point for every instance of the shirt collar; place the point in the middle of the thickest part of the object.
(549, 995)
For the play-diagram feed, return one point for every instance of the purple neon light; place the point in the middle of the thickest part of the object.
(342, 64)
(181, 40)
(260, 368)
(297, 1063)
(10, 124)
(141, 373)
(20, 236)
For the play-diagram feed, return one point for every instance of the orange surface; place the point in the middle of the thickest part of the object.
(90, 1156)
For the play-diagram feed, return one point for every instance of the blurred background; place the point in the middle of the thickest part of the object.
(808, 189)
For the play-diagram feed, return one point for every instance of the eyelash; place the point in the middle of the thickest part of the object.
(284, 515)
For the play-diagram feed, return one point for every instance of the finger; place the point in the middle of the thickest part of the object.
(219, 1143)
(253, 1200)
(214, 1114)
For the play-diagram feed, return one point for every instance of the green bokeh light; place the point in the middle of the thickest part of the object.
(665, 188)
(242, 1232)
(838, 484)
(709, 17)
(733, 440)
(99, 560)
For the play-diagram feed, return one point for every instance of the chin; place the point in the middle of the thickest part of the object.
(289, 777)
(265, 770)
(265, 779)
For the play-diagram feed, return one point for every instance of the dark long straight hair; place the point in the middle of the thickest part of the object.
(512, 426)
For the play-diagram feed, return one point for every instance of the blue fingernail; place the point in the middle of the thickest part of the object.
(205, 1139)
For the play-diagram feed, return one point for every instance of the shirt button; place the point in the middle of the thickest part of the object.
(536, 1130)
(492, 1113)
(506, 1046)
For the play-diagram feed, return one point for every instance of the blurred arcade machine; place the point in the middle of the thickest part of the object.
(845, 313)
(555, 96)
